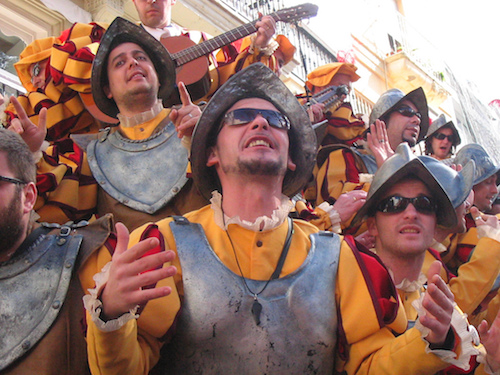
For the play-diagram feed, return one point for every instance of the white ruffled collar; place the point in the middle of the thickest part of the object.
(410, 286)
(277, 218)
(141, 118)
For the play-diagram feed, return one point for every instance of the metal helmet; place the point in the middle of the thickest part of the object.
(485, 166)
(390, 99)
(458, 185)
(441, 122)
(123, 31)
(404, 164)
(255, 81)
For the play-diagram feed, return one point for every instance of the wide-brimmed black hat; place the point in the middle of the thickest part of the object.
(404, 164)
(255, 81)
(391, 99)
(122, 31)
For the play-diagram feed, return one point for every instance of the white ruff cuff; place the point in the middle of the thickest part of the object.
(469, 338)
(94, 306)
(334, 216)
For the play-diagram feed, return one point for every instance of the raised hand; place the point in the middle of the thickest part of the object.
(378, 142)
(349, 203)
(315, 112)
(491, 341)
(31, 134)
(186, 117)
(127, 275)
(481, 218)
(438, 305)
(266, 27)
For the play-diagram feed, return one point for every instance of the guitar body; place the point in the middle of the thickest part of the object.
(194, 74)
(90, 105)
(191, 58)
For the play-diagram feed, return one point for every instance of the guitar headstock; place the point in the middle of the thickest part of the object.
(296, 13)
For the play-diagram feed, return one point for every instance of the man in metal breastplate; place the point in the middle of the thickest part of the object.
(237, 286)
(41, 313)
(141, 165)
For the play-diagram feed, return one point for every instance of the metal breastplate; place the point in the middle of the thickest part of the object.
(33, 287)
(143, 175)
(216, 333)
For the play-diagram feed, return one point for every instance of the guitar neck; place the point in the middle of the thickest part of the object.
(210, 45)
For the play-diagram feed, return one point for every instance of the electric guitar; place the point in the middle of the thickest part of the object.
(192, 64)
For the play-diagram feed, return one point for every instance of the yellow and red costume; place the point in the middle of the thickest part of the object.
(66, 189)
(369, 318)
(67, 74)
(343, 126)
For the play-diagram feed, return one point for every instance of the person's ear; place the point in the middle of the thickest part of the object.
(291, 165)
(107, 92)
(372, 226)
(29, 197)
(213, 157)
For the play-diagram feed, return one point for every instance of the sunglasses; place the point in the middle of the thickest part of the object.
(408, 112)
(442, 136)
(396, 204)
(245, 115)
(12, 180)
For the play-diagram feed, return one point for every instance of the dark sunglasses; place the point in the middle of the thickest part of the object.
(396, 204)
(408, 112)
(12, 180)
(245, 115)
(442, 136)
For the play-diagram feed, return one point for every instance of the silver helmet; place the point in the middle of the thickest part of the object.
(485, 166)
(404, 164)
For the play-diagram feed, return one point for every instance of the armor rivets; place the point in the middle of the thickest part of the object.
(56, 304)
(175, 189)
(27, 261)
(26, 345)
(125, 201)
(61, 241)
(102, 183)
(68, 264)
(144, 146)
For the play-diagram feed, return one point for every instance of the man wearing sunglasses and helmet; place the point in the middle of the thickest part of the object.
(256, 295)
(405, 204)
(344, 173)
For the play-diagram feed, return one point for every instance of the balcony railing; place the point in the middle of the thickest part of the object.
(310, 51)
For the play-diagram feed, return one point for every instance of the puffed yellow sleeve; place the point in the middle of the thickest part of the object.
(135, 347)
